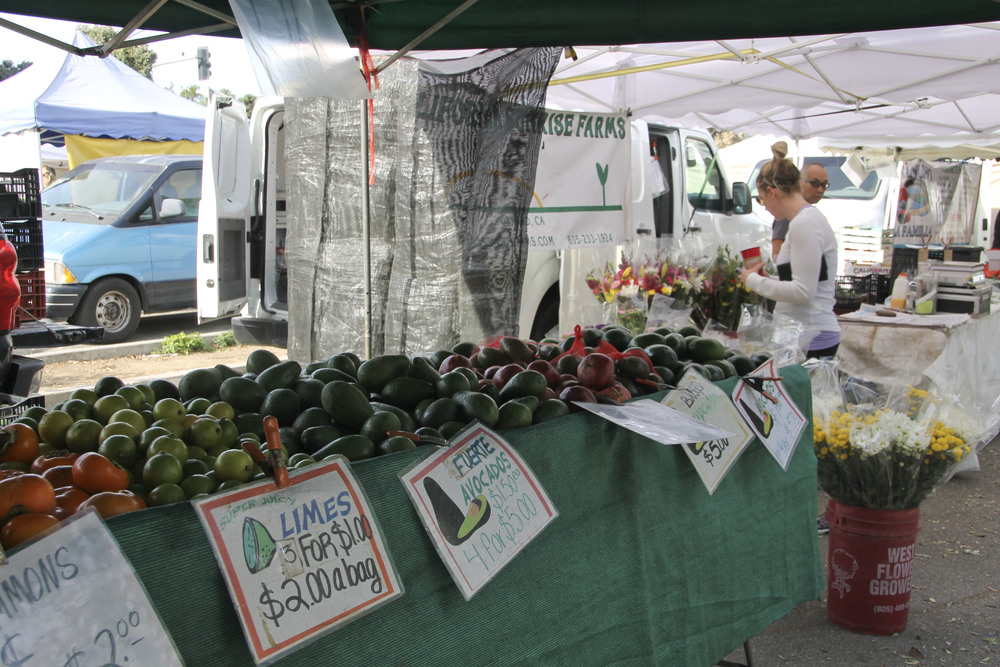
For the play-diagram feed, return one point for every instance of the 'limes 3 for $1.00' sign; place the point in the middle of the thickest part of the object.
(299, 560)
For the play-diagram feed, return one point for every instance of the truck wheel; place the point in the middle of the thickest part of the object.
(113, 304)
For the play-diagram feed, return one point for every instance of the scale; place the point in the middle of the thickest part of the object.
(962, 287)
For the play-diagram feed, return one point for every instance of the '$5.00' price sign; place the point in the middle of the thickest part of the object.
(480, 503)
(299, 560)
(71, 599)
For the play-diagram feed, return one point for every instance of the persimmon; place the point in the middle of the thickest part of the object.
(24, 527)
(113, 503)
(59, 476)
(68, 500)
(57, 457)
(18, 442)
(95, 473)
(26, 493)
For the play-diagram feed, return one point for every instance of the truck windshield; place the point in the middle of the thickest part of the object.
(103, 189)
(841, 187)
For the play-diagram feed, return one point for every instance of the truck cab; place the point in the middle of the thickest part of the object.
(680, 196)
(119, 241)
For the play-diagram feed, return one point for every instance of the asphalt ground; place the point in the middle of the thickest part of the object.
(954, 616)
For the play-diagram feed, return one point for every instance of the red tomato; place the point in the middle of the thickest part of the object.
(24, 527)
(112, 503)
(58, 457)
(26, 493)
(18, 442)
(95, 473)
(68, 500)
(59, 476)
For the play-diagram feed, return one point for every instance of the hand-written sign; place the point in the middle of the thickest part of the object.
(480, 503)
(299, 560)
(697, 396)
(72, 599)
(778, 422)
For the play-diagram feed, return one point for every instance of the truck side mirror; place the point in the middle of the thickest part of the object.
(741, 198)
(172, 208)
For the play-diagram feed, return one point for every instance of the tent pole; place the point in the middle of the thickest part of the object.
(366, 228)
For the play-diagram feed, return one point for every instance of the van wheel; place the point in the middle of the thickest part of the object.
(111, 303)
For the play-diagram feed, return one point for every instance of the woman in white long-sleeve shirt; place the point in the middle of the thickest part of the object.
(804, 288)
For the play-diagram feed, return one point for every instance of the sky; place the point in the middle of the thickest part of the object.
(175, 63)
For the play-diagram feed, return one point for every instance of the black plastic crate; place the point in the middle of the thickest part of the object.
(16, 406)
(879, 288)
(26, 237)
(19, 195)
(963, 253)
(850, 293)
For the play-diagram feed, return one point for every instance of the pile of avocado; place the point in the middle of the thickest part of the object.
(363, 408)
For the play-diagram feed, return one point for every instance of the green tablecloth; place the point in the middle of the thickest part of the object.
(642, 566)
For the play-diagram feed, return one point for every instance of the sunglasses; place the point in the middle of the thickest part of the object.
(816, 183)
(757, 199)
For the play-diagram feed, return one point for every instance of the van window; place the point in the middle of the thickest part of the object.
(702, 176)
(841, 187)
(185, 185)
(106, 190)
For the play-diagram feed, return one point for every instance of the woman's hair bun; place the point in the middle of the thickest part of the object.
(779, 149)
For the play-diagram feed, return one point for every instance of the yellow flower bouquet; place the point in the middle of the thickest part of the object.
(887, 454)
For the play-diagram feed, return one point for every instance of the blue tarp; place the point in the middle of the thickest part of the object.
(97, 97)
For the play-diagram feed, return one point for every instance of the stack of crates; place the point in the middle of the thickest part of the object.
(21, 217)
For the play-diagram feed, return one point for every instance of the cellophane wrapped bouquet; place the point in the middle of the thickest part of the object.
(886, 448)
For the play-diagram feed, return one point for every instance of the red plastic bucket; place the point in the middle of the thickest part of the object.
(870, 567)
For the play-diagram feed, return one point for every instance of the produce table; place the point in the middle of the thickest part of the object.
(955, 351)
(642, 566)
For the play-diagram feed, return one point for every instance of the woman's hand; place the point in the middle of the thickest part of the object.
(759, 268)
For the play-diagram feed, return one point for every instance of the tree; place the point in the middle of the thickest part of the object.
(248, 101)
(140, 58)
(9, 69)
(191, 93)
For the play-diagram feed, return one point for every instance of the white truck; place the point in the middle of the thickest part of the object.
(679, 191)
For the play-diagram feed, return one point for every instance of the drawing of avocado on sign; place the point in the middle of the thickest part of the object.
(456, 527)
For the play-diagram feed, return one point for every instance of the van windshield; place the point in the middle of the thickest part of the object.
(841, 187)
(103, 189)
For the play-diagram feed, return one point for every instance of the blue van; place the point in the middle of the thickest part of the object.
(119, 240)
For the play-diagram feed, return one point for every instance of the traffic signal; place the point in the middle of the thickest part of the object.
(204, 66)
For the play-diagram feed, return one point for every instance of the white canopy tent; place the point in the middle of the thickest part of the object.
(908, 89)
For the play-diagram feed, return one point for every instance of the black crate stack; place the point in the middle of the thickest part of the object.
(852, 291)
(21, 217)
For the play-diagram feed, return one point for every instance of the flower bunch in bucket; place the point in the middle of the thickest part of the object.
(886, 449)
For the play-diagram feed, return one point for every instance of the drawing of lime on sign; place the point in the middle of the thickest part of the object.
(299, 560)
(480, 504)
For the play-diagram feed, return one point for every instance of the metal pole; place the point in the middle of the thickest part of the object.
(366, 228)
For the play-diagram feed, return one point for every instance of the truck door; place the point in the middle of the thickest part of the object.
(226, 208)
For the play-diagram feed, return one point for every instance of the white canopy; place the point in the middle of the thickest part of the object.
(903, 88)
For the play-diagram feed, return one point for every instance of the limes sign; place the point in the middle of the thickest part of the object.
(480, 503)
(71, 598)
(299, 560)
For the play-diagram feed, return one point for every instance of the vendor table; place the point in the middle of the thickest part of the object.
(642, 566)
(960, 354)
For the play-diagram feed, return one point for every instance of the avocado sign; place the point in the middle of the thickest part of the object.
(480, 504)
(770, 412)
(698, 397)
(299, 560)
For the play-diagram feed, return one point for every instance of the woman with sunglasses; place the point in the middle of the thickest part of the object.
(804, 288)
